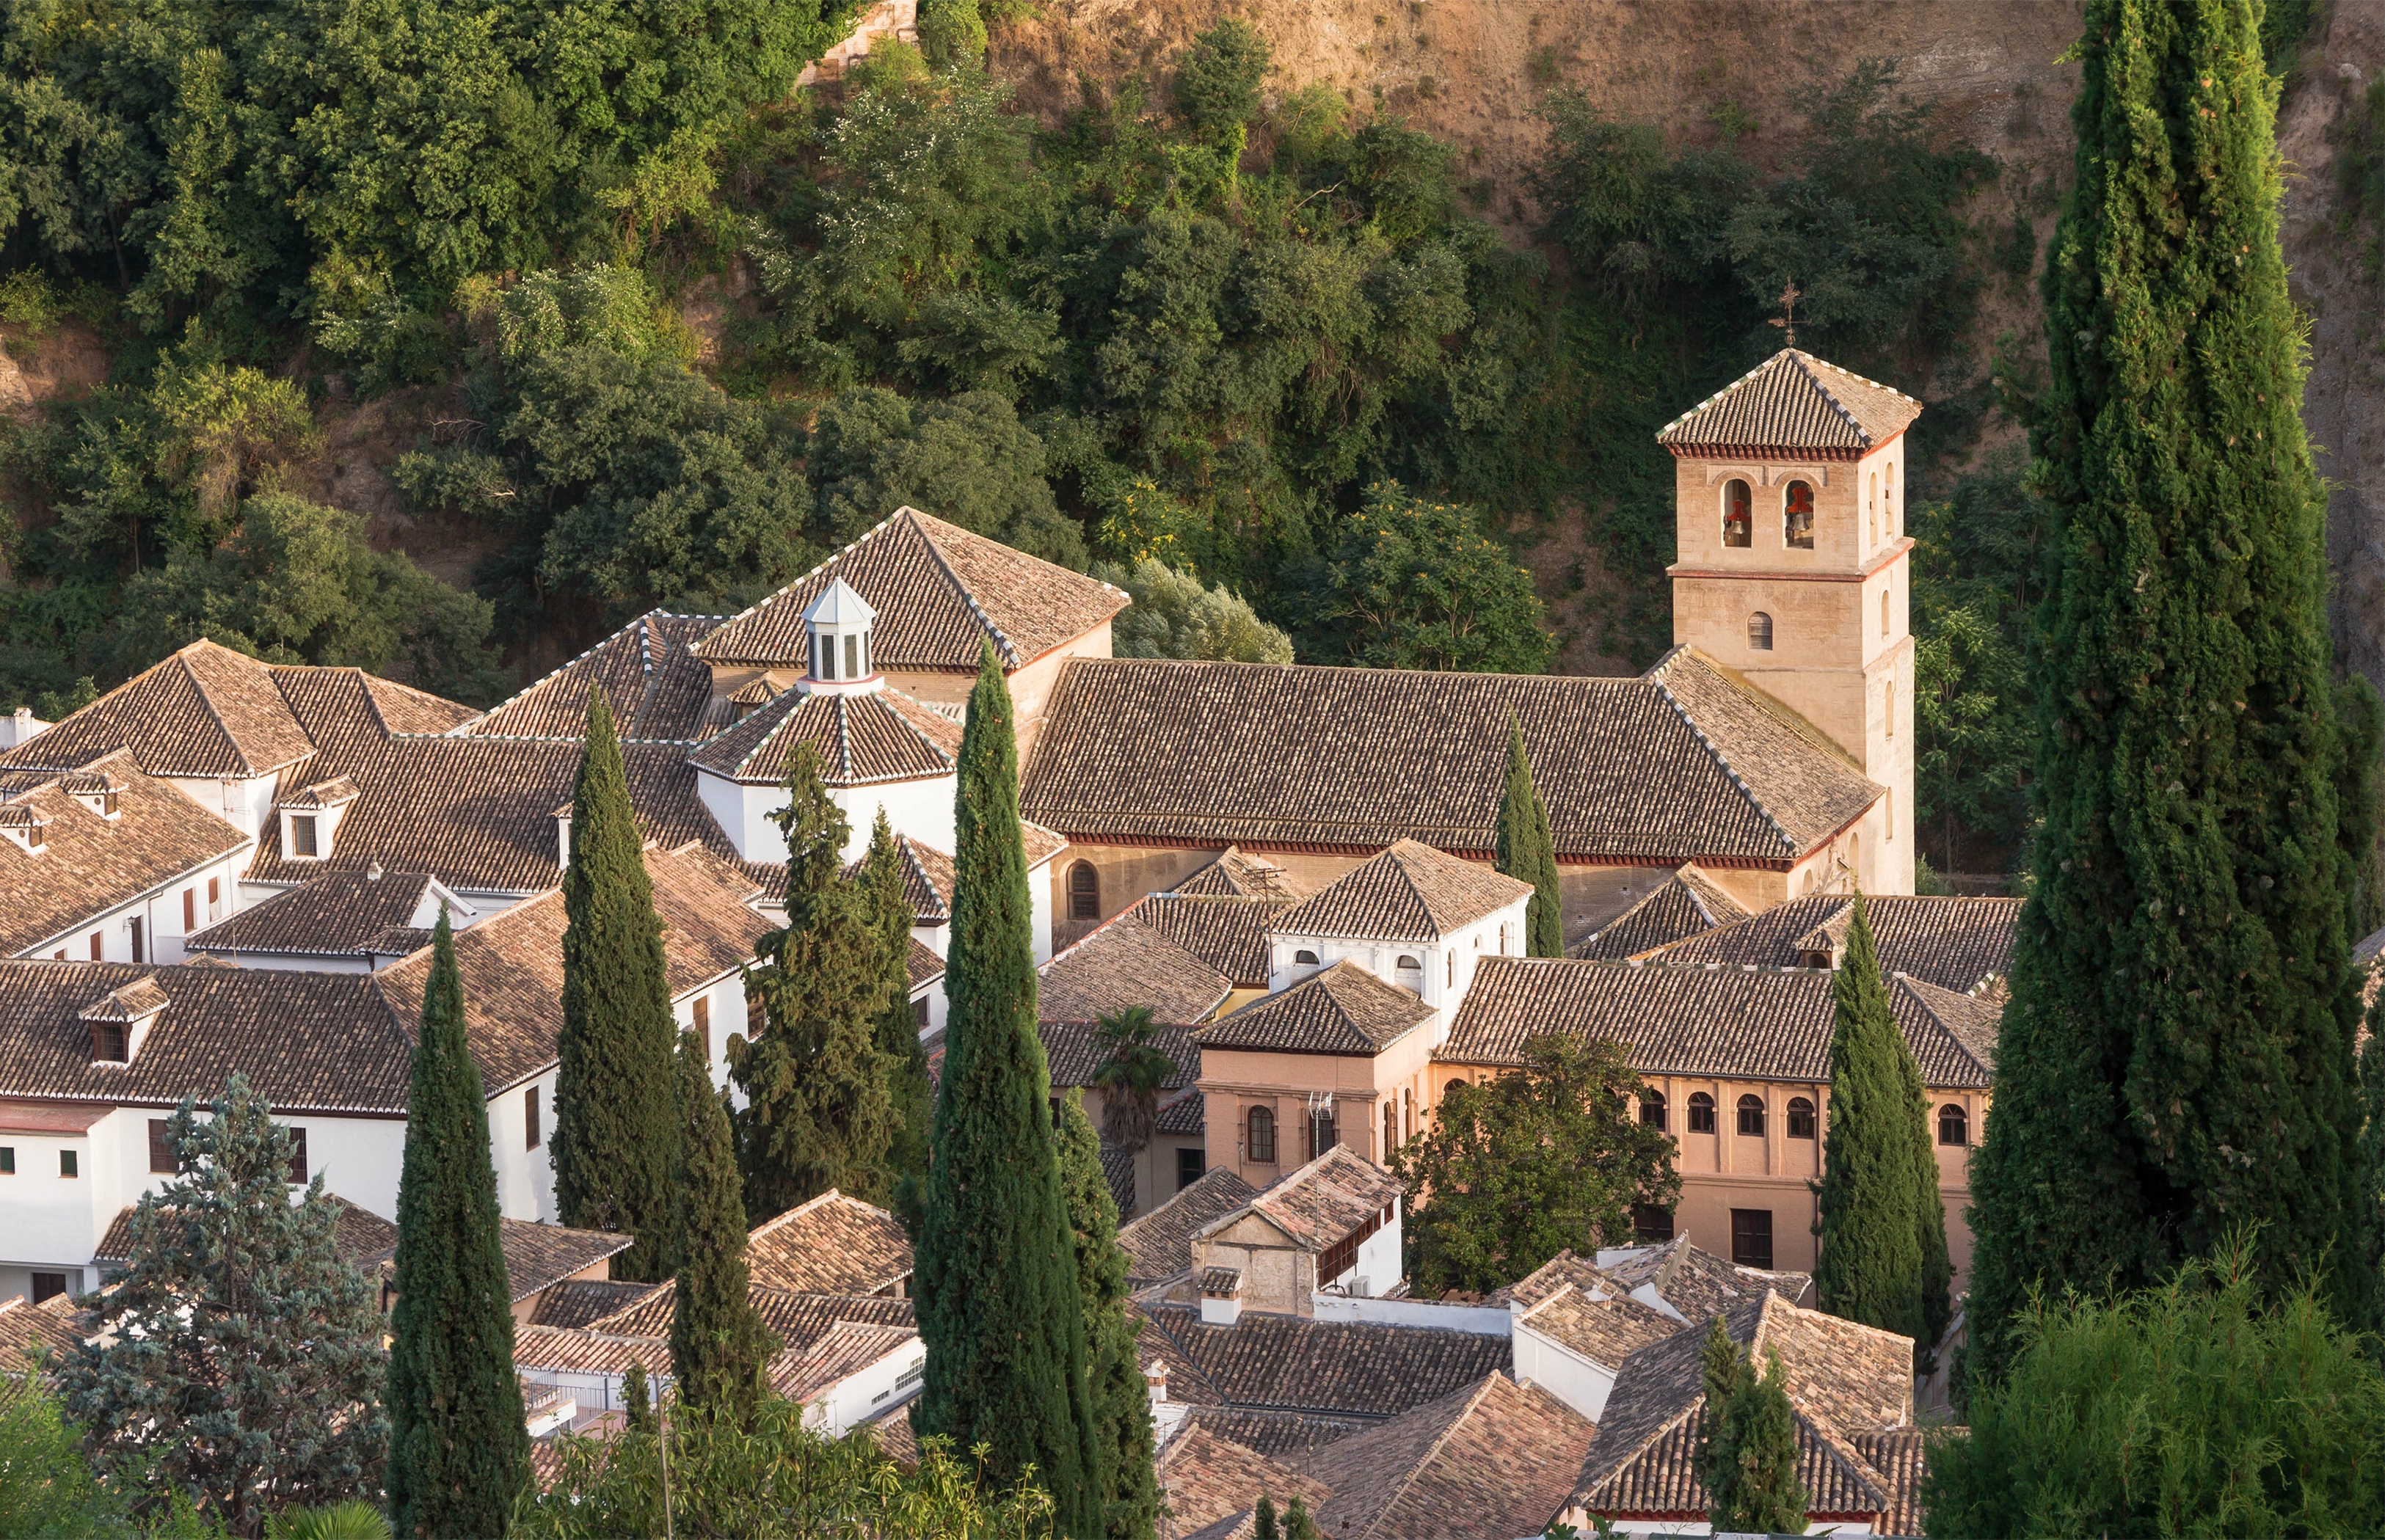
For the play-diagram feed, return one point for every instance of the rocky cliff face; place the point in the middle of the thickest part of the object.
(1473, 70)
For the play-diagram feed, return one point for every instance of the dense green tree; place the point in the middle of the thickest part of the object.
(1121, 1397)
(909, 1087)
(1174, 617)
(820, 1089)
(1748, 1454)
(2177, 1057)
(1870, 1201)
(1218, 83)
(2215, 1403)
(718, 1343)
(1530, 1163)
(238, 1364)
(1418, 584)
(616, 1140)
(998, 1302)
(969, 460)
(1527, 852)
(459, 1454)
(1132, 1071)
(637, 1400)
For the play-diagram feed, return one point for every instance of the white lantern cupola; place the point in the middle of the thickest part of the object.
(837, 626)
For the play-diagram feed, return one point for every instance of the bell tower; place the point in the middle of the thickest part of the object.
(1793, 569)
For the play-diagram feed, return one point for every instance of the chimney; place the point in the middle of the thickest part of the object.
(1221, 1296)
(1157, 1378)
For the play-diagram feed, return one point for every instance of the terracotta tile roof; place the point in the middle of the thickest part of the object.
(1207, 1477)
(1221, 1282)
(1186, 1114)
(205, 711)
(1660, 1477)
(1229, 934)
(861, 740)
(1491, 1461)
(1125, 965)
(1233, 1526)
(831, 1244)
(1237, 875)
(1954, 943)
(941, 593)
(1117, 1171)
(1074, 1054)
(1277, 1435)
(556, 1350)
(1749, 1023)
(1792, 401)
(1330, 1197)
(307, 1041)
(362, 1237)
(347, 711)
(1841, 1378)
(849, 1347)
(1336, 1368)
(26, 1330)
(798, 1320)
(1696, 1283)
(655, 685)
(338, 914)
(578, 1303)
(1343, 1009)
(538, 1257)
(131, 1004)
(1683, 905)
(89, 864)
(1603, 1331)
(338, 792)
(512, 962)
(1684, 763)
(922, 965)
(891, 1431)
(1903, 1457)
(1158, 1246)
(401, 708)
(1411, 893)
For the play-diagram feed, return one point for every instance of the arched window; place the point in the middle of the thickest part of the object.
(1888, 707)
(1261, 1136)
(1884, 615)
(1801, 1118)
(1303, 958)
(1871, 506)
(1408, 973)
(1759, 632)
(1701, 1112)
(1084, 892)
(1797, 516)
(1750, 1115)
(1651, 1108)
(1390, 1130)
(1738, 514)
(1954, 1124)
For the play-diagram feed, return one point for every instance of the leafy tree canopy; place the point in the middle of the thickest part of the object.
(1174, 617)
(1418, 584)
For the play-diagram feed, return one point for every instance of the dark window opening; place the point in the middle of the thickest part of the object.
(297, 1157)
(1738, 514)
(1261, 1136)
(69, 1163)
(1084, 892)
(1652, 1224)
(8, 1159)
(1801, 1118)
(1323, 1133)
(161, 1148)
(48, 1285)
(134, 924)
(853, 657)
(302, 835)
(1750, 1115)
(1751, 1238)
(702, 1012)
(1954, 1124)
(1191, 1165)
(920, 1013)
(1701, 1113)
(98, 950)
(1651, 1108)
(107, 1041)
(1759, 632)
(529, 1119)
(1303, 958)
(1797, 518)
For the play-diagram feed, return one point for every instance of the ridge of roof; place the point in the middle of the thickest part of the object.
(1656, 675)
(648, 636)
(1360, 1015)
(1446, 891)
(1801, 409)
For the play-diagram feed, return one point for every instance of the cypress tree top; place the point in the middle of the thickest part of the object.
(999, 1308)
(615, 1137)
(458, 1451)
(1869, 1268)
(2176, 1060)
(1527, 850)
(718, 1341)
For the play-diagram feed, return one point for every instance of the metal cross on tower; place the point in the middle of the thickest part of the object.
(1790, 295)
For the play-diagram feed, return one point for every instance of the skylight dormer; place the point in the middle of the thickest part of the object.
(120, 1020)
(25, 826)
(837, 626)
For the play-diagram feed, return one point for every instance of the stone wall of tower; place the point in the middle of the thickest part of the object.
(1837, 616)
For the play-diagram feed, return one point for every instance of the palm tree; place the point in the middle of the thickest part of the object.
(1132, 1071)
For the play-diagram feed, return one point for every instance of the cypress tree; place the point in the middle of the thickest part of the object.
(1752, 1485)
(820, 1109)
(613, 1133)
(1527, 850)
(718, 1343)
(1122, 1396)
(637, 1400)
(997, 1298)
(458, 1451)
(1264, 1521)
(911, 1091)
(1870, 1218)
(2175, 1061)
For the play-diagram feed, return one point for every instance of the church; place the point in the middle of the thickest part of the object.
(1288, 865)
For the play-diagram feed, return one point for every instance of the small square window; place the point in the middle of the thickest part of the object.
(69, 1164)
(297, 1157)
(1190, 1164)
(161, 1148)
(301, 835)
(1751, 1238)
(48, 1285)
(8, 1159)
(1652, 1224)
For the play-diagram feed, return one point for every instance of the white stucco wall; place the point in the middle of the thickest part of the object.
(159, 909)
(1448, 962)
(922, 809)
(1564, 1373)
(868, 1392)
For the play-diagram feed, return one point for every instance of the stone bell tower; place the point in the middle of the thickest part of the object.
(1793, 569)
